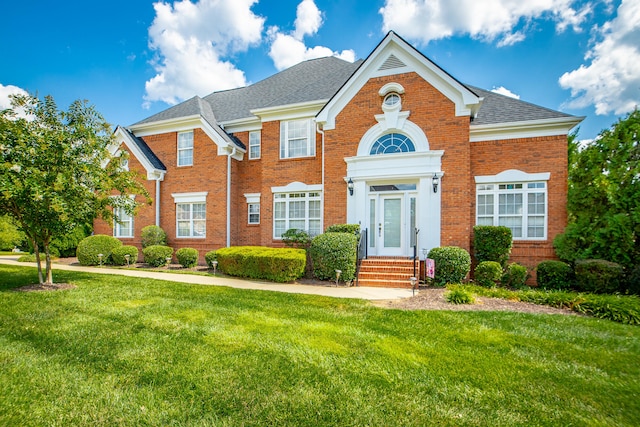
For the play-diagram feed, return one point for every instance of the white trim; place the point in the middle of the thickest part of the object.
(252, 197)
(523, 129)
(297, 187)
(466, 102)
(200, 197)
(123, 137)
(384, 126)
(391, 87)
(290, 111)
(512, 175)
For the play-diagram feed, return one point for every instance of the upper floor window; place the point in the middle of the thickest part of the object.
(185, 148)
(254, 145)
(122, 223)
(392, 143)
(392, 100)
(297, 139)
(520, 206)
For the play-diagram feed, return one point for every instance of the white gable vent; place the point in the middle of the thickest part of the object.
(392, 62)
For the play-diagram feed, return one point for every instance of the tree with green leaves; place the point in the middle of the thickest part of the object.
(604, 196)
(58, 171)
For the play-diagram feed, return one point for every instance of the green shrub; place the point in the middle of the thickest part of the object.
(296, 238)
(187, 257)
(488, 274)
(257, 262)
(343, 228)
(118, 255)
(457, 295)
(598, 276)
(632, 280)
(515, 276)
(152, 235)
(66, 245)
(32, 258)
(89, 248)
(452, 264)
(552, 274)
(209, 257)
(334, 251)
(492, 243)
(156, 255)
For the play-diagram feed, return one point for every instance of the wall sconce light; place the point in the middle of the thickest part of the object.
(350, 186)
(435, 181)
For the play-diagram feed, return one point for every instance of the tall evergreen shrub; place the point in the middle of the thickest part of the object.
(492, 243)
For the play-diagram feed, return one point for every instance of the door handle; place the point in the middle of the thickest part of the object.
(379, 229)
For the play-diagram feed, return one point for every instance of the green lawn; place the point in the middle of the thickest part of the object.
(121, 351)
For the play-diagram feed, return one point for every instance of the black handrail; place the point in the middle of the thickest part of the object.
(361, 254)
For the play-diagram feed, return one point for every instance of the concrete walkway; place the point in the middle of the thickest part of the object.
(361, 292)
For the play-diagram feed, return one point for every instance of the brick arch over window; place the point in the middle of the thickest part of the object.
(369, 142)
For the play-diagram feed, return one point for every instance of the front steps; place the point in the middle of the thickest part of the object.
(385, 272)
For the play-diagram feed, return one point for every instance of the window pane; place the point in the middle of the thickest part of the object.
(485, 221)
(485, 204)
(199, 228)
(372, 223)
(510, 204)
(254, 145)
(314, 209)
(280, 227)
(280, 211)
(297, 210)
(199, 211)
(183, 229)
(183, 211)
(514, 223)
(314, 227)
(536, 203)
(299, 224)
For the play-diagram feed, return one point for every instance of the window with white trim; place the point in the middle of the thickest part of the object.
(297, 139)
(520, 206)
(300, 210)
(185, 148)
(122, 223)
(191, 214)
(254, 145)
(253, 213)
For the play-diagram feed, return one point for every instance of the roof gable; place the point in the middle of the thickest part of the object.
(395, 56)
(136, 146)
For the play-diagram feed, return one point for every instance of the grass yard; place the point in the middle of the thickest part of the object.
(121, 351)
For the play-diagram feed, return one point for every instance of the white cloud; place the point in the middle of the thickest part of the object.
(289, 49)
(5, 95)
(611, 82)
(486, 20)
(504, 91)
(192, 41)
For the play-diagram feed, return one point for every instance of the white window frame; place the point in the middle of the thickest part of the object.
(120, 218)
(288, 201)
(181, 136)
(255, 145)
(512, 183)
(253, 213)
(303, 125)
(190, 200)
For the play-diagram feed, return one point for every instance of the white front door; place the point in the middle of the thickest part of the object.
(391, 225)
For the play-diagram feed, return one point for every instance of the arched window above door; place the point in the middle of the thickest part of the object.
(392, 143)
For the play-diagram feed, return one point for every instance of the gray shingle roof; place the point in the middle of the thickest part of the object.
(320, 79)
(498, 108)
(146, 151)
(312, 80)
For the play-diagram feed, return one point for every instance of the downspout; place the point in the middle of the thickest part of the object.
(321, 132)
(231, 153)
(159, 178)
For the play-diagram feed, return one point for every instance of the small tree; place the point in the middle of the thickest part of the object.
(56, 171)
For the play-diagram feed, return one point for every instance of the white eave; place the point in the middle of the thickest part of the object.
(291, 111)
(523, 129)
(122, 137)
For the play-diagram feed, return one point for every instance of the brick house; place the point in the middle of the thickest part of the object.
(392, 142)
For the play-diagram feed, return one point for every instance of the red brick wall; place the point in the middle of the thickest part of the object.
(530, 155)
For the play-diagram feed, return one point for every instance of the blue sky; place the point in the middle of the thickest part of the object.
(132, 59)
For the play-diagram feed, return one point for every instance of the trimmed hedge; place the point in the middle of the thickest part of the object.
(153, 235)
(515, 275)
(90, 247)
(296, 238)
(118, 255)
(187, 257)
(598, 276)
(257, 262)
(554, 275)
(209, 257)
(334, 251)
(156, 255)
(343, 228)
(452, 264)
(492, 243)
(488, 274)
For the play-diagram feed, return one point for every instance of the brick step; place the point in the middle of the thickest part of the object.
(384, 283)
(386, 269)
(365, 275)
